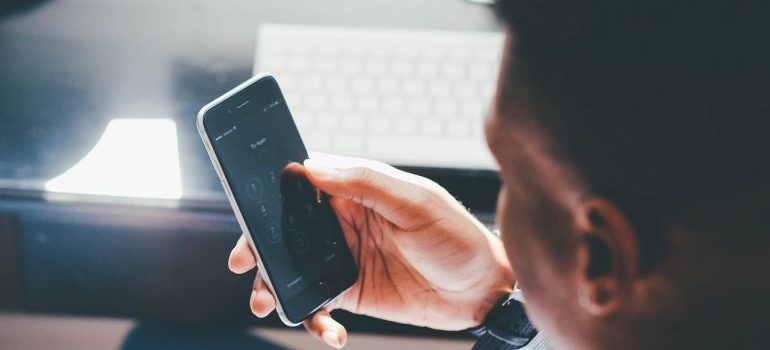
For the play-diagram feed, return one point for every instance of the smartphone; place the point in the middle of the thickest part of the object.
(255, 147)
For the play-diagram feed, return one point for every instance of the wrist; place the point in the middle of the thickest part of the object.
(500, 284)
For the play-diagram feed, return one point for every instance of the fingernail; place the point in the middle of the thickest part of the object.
(332, 339)
(319, 169)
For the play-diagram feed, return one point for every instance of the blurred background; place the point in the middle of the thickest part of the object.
(114, 229)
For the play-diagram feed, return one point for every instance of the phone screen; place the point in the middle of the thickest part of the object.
(294, 228)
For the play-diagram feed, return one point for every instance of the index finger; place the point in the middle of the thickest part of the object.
(399, 197)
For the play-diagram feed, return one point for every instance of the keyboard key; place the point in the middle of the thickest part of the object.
(472, 109)
(348, 145)
(355, 51)
(405, 126)
(311, 84)
(325, 65)
(380, 52)
(379, 125)
(431, 127)
(418, 106)
(407, 51)
(414, 87)
(487, 56)
(446, 109)
(375, 67)
(316, 103)
(341, 104)
(362, 86)
(439, 88)
(465, 89)
(287, 81)
(388, 86)
(327, 122)
(457, 128)
(351, 67)
(477, 131)
(434, 54)
(317, 141)
(401, 69)
(367, 105)
(299, 65)
(427, 70)
(336, 85)
(462, 54)
(452, 71)
(393, 105)
(487, 91)
(479, 72)
(352, 124)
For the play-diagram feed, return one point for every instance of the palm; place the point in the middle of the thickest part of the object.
(423, 259)
(430, 275)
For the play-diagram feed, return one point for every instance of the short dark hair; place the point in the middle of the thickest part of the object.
(662, 106)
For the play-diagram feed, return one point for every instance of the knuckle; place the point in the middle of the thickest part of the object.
(426, 198)
(433, 187)
(429, 191)
(360, 175)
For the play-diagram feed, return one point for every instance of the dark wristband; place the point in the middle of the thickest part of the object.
(505, 327)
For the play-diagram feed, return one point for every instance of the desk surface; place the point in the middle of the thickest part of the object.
(69, 67)
(25, 331)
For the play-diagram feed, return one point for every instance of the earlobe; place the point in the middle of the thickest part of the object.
(607, 257)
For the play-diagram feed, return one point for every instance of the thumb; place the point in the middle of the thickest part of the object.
(400, 197)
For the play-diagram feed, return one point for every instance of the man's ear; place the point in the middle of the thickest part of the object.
(607, 257)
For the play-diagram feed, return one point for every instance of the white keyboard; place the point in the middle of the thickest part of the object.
(405, 97)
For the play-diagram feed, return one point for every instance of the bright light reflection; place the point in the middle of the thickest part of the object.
(133, 158)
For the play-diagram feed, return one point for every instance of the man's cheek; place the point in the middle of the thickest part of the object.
(510, 234)
(517, 240)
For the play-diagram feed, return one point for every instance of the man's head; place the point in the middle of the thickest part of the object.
(632, 143)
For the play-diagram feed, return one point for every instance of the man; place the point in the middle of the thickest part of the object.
(632, 148)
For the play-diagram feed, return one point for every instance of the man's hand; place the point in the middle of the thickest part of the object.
(423, 259)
